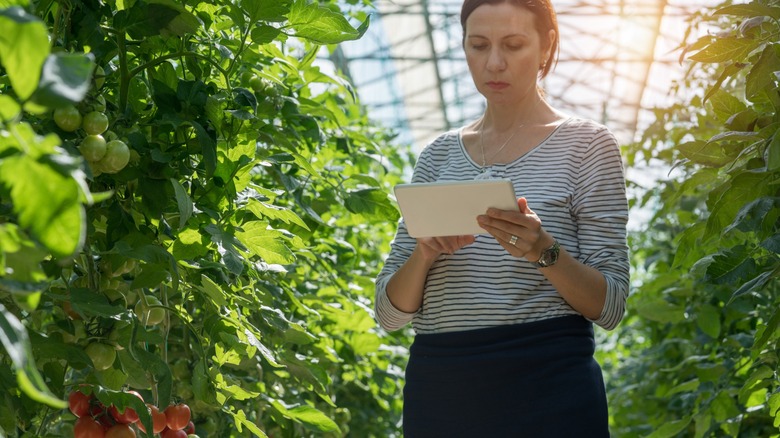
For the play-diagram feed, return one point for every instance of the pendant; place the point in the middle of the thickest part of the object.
(486, 174)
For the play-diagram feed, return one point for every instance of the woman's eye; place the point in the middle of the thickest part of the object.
(479, 47)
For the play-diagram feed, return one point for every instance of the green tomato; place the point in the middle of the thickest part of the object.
(95, 123)
(102, 355)
(67, 118)
(116, 158)
(93, 147)
(149, 314)
(257, 83)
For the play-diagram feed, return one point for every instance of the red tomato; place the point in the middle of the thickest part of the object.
(170, 433)
(78, 402)
(86, 427)
(190, 428)
(177, 416)
(120, 431)
(158, 419)
(129, 415)
(101, 415)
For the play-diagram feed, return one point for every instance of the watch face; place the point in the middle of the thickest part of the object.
(549, 256)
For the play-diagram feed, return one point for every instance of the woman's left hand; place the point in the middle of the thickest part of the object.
(519, 232)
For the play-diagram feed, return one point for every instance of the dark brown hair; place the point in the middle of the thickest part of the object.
(544, 16)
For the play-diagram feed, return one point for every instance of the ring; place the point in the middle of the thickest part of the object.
(513, 240)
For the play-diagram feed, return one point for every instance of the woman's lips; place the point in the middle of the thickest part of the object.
(497, 85)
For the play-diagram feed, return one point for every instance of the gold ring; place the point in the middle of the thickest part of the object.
(513, 240)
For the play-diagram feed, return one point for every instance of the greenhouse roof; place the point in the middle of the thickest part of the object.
(617, 59)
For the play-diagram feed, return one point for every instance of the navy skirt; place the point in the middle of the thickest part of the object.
(536, 379)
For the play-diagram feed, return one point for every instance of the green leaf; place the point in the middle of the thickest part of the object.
(181, 24)
(265, 243)
(774, 404)
(313, 418)
(264, 34)
(705, 153)
(266, 10)
(753, 9)
(661, 311)
(24, 45)
(769, 329)
(742, 189)
(65, 79)
(87, 302)
(161, 372)
(213, 291)
(757, 216)
(262, 209)
(14, 338)
(122, 400)
(761, 78)
(208, 148)
(241, 420)
(730, 266)
(671, 429)
(372, 204)
(319, 24)
(708, 320)
(689, 386)
(308, 416)
(145, 19)
(47, 204)
(753, 285)
(184, 202)
(726, 49)
(725, 105)
(9, 108)
(773, 153)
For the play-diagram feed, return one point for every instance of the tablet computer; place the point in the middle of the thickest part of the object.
(450, 208)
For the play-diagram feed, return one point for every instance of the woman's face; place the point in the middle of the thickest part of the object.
(504, 52)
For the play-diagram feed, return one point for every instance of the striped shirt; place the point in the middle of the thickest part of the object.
(574, 181)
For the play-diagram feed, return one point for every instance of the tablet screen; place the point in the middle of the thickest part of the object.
(450, 208)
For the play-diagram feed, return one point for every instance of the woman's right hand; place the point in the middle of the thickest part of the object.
(432, 247)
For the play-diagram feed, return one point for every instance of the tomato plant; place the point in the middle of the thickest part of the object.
(256, 219)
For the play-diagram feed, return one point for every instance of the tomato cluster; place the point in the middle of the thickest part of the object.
(103, 155)
(95, 420)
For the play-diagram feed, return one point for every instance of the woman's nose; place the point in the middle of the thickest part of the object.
(495, 61)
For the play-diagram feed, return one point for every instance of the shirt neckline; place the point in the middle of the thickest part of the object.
(516, 160)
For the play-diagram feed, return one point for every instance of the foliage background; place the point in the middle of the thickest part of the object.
(250, 210)
(697, 354)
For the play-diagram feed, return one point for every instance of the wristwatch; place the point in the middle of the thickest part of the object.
(549, 256)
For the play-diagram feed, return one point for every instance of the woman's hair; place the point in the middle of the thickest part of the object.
(544, 18)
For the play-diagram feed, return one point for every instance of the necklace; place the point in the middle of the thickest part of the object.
(482, 144)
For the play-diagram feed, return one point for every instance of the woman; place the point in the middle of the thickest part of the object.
(503, 320)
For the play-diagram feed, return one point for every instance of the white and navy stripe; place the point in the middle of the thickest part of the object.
(574, 181)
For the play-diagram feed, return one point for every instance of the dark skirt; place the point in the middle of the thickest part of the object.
(537, 379)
